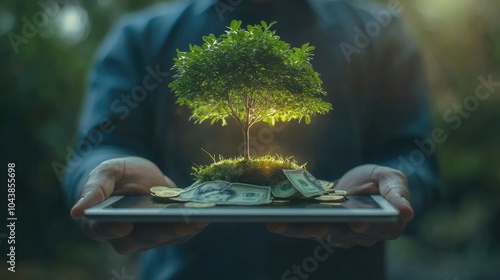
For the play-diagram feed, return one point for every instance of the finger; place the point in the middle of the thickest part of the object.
(105, 231)
(98, 187)
(148, 236)
(393, 186)
(375, 179)
(398, 198)
(380, 230)
(360, 180)
(169, 182)
(131, 175)
(289, 230)
(277, 228)
(346, 238)
(300, 230)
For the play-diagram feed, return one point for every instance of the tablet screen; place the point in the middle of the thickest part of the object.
(354, 202)
(145, 209)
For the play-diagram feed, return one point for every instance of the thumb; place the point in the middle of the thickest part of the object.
(374, 179)
(399, 201)
(98, 187)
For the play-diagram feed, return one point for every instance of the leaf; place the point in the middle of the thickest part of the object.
(264, 24)
(248, 73)
(270, 120)
(307, 119)
(271, 24)
(235, 24)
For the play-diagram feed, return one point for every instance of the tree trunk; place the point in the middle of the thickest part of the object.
(246, 141)
(246, 131)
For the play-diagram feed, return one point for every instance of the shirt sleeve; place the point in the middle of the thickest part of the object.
(115, 121)
(400, 114)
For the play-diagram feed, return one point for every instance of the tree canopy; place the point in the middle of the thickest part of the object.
(250, 75)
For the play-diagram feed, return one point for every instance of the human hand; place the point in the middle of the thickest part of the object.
(362, 180)
(121, 176)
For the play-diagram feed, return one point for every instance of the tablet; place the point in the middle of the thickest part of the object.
(371, 208)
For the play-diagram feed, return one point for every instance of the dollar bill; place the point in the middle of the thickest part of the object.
(284, 189)
(226, 193)
(304, 182)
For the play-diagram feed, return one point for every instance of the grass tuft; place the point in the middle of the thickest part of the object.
(264, 171)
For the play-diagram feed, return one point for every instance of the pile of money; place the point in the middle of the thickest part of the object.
(300, 185)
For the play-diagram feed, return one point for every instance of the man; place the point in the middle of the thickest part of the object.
(378, 93)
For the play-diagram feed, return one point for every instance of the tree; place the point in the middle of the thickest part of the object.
(249, 75)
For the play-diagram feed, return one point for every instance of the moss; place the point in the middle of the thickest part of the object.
(264, 171)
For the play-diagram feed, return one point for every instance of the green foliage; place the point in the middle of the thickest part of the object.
(250, 75)
(264, 171)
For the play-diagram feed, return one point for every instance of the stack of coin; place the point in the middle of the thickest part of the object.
(162, 193)
(338, 192)
(333, 196)
(327, 185)
(330, 198)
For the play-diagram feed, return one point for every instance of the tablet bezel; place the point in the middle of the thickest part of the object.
(238, 214)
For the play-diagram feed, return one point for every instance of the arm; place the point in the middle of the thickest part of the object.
(401, 115)
(112, 154)
(398, 115)
(109, 127)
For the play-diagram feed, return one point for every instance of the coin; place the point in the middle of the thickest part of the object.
(199, 204)
(338, 192)
(330, 198)
(327, 184)
(280, 201)
(158, 188)
(167, 193)
(331, 203)
(178, 199)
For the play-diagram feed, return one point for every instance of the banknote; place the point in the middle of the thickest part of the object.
(222, 192)
(304, 182)
(284, 189)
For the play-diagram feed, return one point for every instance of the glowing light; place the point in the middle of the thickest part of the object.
(73, 23)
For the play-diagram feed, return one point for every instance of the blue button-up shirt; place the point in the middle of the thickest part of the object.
(373, 76)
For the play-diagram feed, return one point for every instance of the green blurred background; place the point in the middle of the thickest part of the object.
(42, 86)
